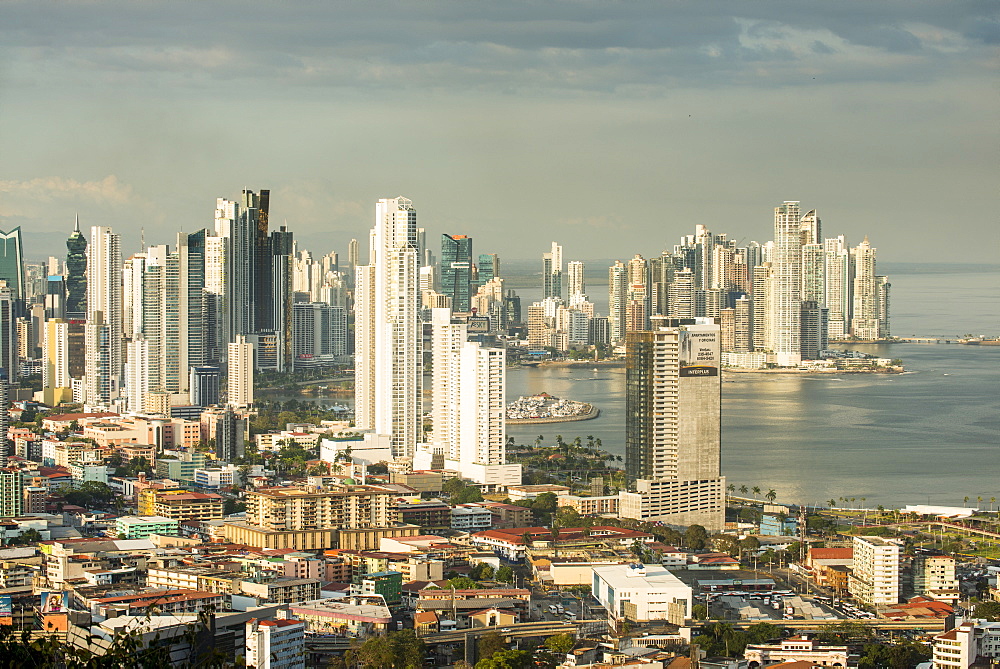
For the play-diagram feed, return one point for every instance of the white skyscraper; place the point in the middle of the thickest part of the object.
(838, 285)
(617, 300)
(388, 359)
(241, 368)
(577, 284)
(865, 320)
(468, 404)
(104, 310)
(786, 285)
(137, 373)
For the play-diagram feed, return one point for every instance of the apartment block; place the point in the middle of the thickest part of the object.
(875, 579)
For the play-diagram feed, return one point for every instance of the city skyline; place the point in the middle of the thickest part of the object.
(572, 115)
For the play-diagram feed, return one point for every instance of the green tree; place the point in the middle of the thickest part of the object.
(699, 612)
(545, 503)
(505, 574)
(397, 650)
(462, 583)
(696, 537)
(490, 644)
(987, 610)
(452, 485)
(560, 643)
(726, 543)
(466, 495)
(507, 659)
(771, 496)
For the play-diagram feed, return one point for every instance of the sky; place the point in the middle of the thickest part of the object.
(611, 127)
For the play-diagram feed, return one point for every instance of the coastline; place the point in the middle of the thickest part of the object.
(594, 413)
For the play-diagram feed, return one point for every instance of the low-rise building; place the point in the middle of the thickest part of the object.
(641, 593)
(797, 649)
(352, 618)
(284, 590)
(140, 527)
(590, 506)
(471, 518)
(520, 492)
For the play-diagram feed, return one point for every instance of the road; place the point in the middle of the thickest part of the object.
(517, 631)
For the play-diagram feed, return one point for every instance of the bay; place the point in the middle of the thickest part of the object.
(931, 435)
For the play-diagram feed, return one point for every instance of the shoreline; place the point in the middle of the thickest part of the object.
(593, 413)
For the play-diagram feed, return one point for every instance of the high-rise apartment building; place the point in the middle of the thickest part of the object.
(388, 329)
(865, 318)
(552, 272)
(11, 487)
(104, 312)
(173, 312)
(874, 579)
(469, 411)
(275, 644)
(137, 373)
(673, 423)
(838, 275)
(577, 282)
(76, 273)
(456, 270)
(786, 285)
(318, 331)
(488, 268)
(617, 301)
(241, 372)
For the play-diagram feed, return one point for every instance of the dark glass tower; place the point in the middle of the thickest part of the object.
(12, 263)
(76, 274)
(456, 271)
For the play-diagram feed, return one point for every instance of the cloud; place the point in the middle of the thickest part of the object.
(33, 192)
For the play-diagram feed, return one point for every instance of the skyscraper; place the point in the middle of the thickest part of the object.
(488, 268)
(240, 373)
(786, 285)
(456, 270)
(12, 264)
(76, 274)
(673, 423)
(865, 320)
(104, 297)
(388, 330)
(8, 332)
(839, 281)
(577, 282)
(173, 312)
(617, 301)
(552, 272)
(204, 385)
(468, 404)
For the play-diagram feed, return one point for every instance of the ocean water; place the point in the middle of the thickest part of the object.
(931, 435)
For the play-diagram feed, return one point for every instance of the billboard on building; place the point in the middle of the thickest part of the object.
(6, 610)
(55, 601)
(478, 325)
(699, 352)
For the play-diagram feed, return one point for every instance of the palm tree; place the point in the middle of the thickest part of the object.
(771, 495)
(966, 500)
(756, 491)
(993, 500)
(832, 503)
(731, 488)
(744, 490)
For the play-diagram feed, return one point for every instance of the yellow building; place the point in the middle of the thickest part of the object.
(356, 506)
(179, 504)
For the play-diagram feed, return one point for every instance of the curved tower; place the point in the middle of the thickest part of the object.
(76, 274)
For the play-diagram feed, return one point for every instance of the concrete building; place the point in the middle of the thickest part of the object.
(875, 578)
(140, 527)
(468, 411)
(673, 424)
(104, 317)
(786, 285)
(797, 649)
(972, 642)
(241, 371)
(347, 506)
(388, 341)
(641, 593)
(934, 577)
(275, 644)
